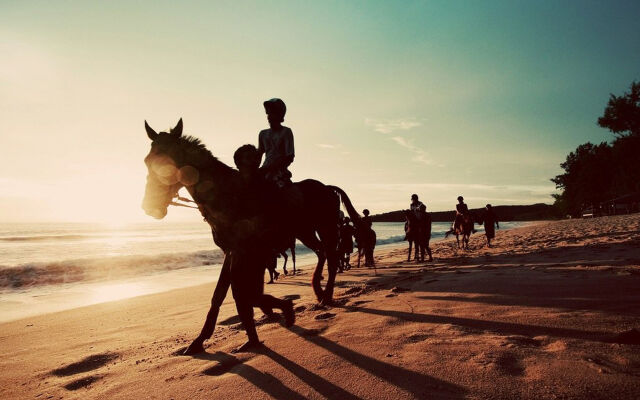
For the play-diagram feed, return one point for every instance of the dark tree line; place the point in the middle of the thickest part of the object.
(594, 174)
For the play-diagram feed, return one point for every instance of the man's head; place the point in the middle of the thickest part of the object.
(460, 199)
(275, 109)
(488, 206)
(365, 212)
(414, 197)
(247, 158)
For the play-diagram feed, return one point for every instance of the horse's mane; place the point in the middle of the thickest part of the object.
(195, 145)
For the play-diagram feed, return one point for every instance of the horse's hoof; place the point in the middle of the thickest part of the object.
(327, 301)
(194, 348)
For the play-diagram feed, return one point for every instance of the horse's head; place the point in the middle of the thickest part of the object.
(165, 175)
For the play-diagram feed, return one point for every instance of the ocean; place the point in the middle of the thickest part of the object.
(50, 267)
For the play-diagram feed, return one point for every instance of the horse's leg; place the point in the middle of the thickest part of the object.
(410, 245)
(286, 306)
(329, 238)
(220, 292)
(310, 240)
(284, 267)
(293, 256)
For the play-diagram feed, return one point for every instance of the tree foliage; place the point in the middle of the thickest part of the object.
(597, 173)
(622, 114)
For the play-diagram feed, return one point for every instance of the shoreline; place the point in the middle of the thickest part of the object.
(27, 302)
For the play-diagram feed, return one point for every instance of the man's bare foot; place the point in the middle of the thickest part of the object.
(249, 346)
(289, 314)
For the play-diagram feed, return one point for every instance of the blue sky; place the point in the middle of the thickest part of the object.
(482, 99)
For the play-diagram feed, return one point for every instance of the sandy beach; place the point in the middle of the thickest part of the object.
(552, 311)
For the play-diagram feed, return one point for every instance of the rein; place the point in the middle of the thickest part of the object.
(178, 197)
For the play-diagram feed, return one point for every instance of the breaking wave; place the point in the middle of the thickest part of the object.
(106, 268)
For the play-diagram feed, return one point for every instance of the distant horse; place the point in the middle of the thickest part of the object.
(292, 249)
(462, 227)
(412, 232)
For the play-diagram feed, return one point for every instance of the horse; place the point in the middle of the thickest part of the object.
(412, 232)
(292, 249)
(176, 161)
(463, 226)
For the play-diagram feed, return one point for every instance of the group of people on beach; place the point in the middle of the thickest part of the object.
(365, 238)
(418, 225)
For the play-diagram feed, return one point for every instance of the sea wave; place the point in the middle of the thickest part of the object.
(106, 268)
(35, 238)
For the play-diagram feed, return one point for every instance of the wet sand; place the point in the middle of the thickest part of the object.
(551, 312)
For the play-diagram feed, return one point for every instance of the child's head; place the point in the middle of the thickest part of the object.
(365, 212)
(275, 109)
(346, 220)
(423, 208)
(460, 199)
(247, 158)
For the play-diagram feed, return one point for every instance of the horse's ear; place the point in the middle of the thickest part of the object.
(177, 131)
(150, 132)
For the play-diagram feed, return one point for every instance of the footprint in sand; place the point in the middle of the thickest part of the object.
(417, 337)
(82, 382)
(291, 297)
(520, 341)
(324, 316)
(90, 363)
(503, 362)
(360, 302)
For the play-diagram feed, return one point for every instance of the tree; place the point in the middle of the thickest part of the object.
(622, 114)
(587, 178)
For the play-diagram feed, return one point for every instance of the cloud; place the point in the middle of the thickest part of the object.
(392, 125)
(325, 146)
(420, 156)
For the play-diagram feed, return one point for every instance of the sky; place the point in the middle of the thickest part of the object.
(385, 99)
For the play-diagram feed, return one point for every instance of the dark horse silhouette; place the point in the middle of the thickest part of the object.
(177, 161)
(462, 227)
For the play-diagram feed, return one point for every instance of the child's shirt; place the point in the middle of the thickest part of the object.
(275, 145)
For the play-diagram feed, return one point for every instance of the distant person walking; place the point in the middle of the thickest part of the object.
(365, 239)
(345, 247)
(415, 204)
(276, 143)
(366, 220)
(424, 235)
(490, 219)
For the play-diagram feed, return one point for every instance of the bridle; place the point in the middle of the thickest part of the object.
(173, 202)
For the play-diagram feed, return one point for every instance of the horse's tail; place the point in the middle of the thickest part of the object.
(353, 214)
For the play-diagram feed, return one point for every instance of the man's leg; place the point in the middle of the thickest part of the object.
(244, 287)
